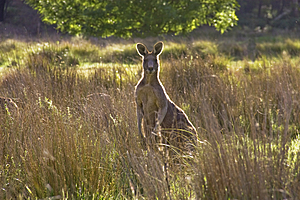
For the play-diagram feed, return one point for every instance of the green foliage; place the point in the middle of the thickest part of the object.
(126, 18)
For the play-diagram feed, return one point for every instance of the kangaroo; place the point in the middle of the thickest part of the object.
(156, 110)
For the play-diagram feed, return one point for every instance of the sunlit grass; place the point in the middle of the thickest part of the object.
(88, 69)
(79, 52)
(206, 47)
(288, 46)
(75, 135)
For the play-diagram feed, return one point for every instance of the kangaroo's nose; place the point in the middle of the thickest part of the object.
(150, 65)
(150, 68)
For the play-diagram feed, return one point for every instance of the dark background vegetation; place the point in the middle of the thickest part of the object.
(74, 135)
(18, 17)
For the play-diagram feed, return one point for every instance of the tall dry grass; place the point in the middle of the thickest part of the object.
(75, 137)
(247, 122)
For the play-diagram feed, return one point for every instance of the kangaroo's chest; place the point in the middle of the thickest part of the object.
(148, 97)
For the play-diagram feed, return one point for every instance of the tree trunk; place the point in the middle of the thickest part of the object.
(259, 8)
(2, 6)
(282, 6)
(295, 8)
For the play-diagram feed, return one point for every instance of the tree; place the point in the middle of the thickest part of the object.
(2, 6)
(125, 18)
(295, 8)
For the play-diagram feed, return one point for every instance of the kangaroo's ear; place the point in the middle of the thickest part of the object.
(141, 49)
(158, 47)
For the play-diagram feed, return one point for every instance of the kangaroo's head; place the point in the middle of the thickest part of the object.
(150, 59)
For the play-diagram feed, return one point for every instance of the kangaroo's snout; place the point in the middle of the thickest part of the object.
(150, 70)
(150, 65)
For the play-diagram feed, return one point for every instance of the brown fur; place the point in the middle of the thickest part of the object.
(155, 109)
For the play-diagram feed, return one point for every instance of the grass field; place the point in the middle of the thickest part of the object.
(75, 134)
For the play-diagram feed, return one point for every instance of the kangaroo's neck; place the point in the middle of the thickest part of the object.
(152, 78)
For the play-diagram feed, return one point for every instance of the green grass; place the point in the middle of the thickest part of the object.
(75, 135)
